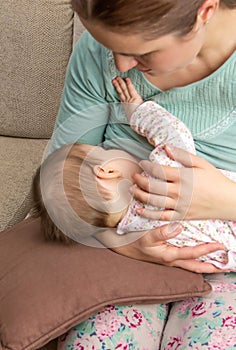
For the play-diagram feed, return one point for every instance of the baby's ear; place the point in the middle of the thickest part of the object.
(106, 173)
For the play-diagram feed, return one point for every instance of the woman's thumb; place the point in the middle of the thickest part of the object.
(166, 232)
(186, 158)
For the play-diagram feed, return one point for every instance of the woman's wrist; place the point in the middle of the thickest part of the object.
(227, 201)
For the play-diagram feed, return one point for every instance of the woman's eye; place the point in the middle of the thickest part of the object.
(149, 54)
(144, 56)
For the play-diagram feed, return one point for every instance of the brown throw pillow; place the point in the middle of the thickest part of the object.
(46, 288)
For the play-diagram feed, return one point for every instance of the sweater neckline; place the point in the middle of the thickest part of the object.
(196, 83)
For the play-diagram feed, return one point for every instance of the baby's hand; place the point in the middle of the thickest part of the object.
(127, 94)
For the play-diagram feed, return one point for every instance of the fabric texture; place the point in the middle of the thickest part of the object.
(160, 127)
(36, 43)
(19, 159)
(47, 287)
(204, 107)
(132, 327)
(207, 323)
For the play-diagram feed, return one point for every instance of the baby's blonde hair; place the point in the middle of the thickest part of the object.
(70, 169)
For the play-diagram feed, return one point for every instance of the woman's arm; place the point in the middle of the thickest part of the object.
(83, 112)
(195, 192)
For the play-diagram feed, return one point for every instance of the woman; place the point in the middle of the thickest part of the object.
(182, 55)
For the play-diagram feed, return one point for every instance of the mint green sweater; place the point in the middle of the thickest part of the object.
(89, 112)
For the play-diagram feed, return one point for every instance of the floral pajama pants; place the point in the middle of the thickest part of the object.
(195, 323)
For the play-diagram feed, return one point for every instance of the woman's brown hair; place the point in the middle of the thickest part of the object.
(151, 17)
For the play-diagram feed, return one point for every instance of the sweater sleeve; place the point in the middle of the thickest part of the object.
(83, 112)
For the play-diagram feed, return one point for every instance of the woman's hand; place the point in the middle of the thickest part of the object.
(152, 247)
(196, 191)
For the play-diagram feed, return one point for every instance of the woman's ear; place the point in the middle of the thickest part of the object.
(207, 10)
(106, 173)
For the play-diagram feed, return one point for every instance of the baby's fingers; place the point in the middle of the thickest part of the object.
(121, 88)
(131, 89)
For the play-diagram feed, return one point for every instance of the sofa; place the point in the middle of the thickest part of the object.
(37, 38)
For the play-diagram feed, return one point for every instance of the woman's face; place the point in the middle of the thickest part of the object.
(167, 54)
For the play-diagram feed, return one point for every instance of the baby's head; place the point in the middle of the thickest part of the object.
(85, 182)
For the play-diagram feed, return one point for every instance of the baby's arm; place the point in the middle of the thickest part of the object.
(160, 127)
(151, 120)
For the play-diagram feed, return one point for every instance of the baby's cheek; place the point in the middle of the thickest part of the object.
(104, 192)
(123, 192)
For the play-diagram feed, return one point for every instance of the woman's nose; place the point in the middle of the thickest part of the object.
(124, 63)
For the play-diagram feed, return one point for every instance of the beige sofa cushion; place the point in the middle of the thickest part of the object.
(36, 42)
(19, 159)
(47, 287)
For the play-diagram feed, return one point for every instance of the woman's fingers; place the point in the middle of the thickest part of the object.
(160, 235)
(198, 266)
(154, 245)
(154, 185)
(157, 238)
(154, 192)
(186, 253)
(184, 157)
(157, 201)
(162, 215)
(167, 188)
(161, 172)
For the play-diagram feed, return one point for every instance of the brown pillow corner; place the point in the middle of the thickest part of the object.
(46, 288)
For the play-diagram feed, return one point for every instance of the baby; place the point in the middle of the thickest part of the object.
(160, 128)
(96, 182)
